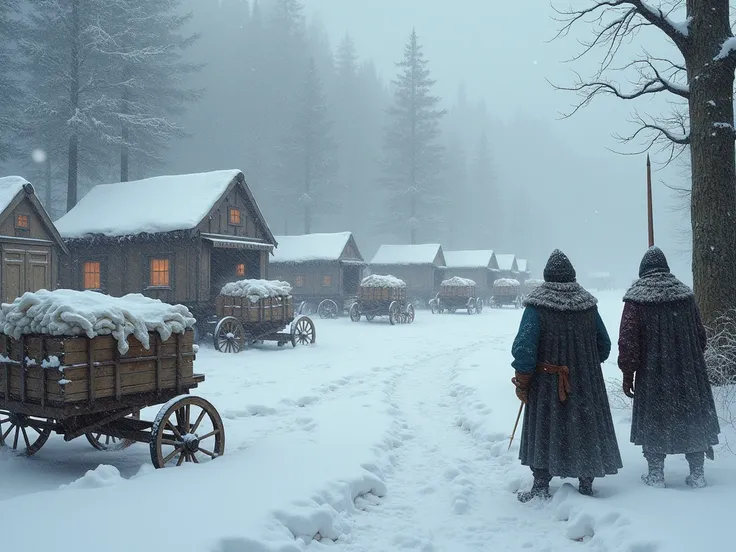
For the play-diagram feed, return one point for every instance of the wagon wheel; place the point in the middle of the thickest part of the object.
(303, 332)
(327, 309)
(111, 443)
(355, 312)
(478, 306)
(188, 429)
(18, 431)
(230, 336)
(434, 304)
(394, 313)
(471, 305)
(410, 314)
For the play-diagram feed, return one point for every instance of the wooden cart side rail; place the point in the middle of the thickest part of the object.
(62, 412)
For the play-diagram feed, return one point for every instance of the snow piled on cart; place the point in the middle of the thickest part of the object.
(506, 282)
(387, 281)
(457, 281)
(256, 290)
(67, 312)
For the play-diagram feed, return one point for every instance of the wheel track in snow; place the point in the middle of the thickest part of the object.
(294, 414)
(447, 493)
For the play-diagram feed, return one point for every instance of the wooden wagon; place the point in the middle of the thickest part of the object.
(506, 291)
(530, 285)
(456, 294)
(79, 386)
(382, 296)
(244, 318)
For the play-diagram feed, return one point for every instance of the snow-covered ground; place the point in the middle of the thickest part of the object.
(376, 439)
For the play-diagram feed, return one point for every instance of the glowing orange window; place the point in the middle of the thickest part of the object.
(160, 272)
(91, 275)
(22, 221)
(234, 216)
(326, 280)
(299, 281)
(240, 269)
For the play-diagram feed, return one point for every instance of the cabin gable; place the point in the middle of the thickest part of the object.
(236, 214)
(350, 252)
(439, 259)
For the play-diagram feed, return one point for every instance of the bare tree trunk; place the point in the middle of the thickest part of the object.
(47, 192)
(125, 138)
(73, 164)
(713, 202)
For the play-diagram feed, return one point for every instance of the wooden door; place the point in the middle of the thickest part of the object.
(24, 270)
(14, 274)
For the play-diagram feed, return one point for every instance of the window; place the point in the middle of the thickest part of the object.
(299, 281)
(22, 222)
(160, 273)
(240, 269)
(235, 216)
(326, 280)
(91, 275)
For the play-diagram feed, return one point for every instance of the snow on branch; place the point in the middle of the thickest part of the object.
(630, 16)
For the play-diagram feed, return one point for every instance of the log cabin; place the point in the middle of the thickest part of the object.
(479, 265)
(319, 267)
(31, 245)
(175, 238)
(421, 266)
(507, 266)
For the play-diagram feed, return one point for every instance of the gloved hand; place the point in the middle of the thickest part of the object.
(629, 384)
(521, 381)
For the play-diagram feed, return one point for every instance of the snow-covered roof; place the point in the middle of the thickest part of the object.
(256, 289)
(379, 280)
(470, 258)
(409, 255)
(522, 264)
(10, 187)
(457, 281)
(158, 204)
(506, 261)
(68, 312)
(312, 247)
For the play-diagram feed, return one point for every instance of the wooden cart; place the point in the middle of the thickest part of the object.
(506, 291)
(456, 294)
(80, 386)
(382, 296)
(242, 322)
(530, 285)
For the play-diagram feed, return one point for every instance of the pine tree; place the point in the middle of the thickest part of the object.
(412, 155)
(485, 210)
(313, 150)
(347, 64)
(143, 47)
(9, 91)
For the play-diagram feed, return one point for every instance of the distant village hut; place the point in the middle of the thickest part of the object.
(422, 267)
(524, 272)
(324, 270)
(174, 238)
(508, 266)
(31, 245)
(479, 265)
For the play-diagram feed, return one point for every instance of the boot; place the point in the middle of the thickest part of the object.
(655, 477)
(540, 487)
(696, 479)
(585, 486)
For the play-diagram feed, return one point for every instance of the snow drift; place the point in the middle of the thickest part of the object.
(68, 312)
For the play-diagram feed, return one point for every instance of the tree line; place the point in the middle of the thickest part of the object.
(108, 90)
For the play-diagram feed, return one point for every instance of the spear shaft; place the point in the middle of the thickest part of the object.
(518, 417)
(650, 217)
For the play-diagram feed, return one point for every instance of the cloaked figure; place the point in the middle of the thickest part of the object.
(568, 429)
(661, 354)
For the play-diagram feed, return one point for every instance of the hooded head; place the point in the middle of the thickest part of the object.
(653, 262)
(559, 269)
